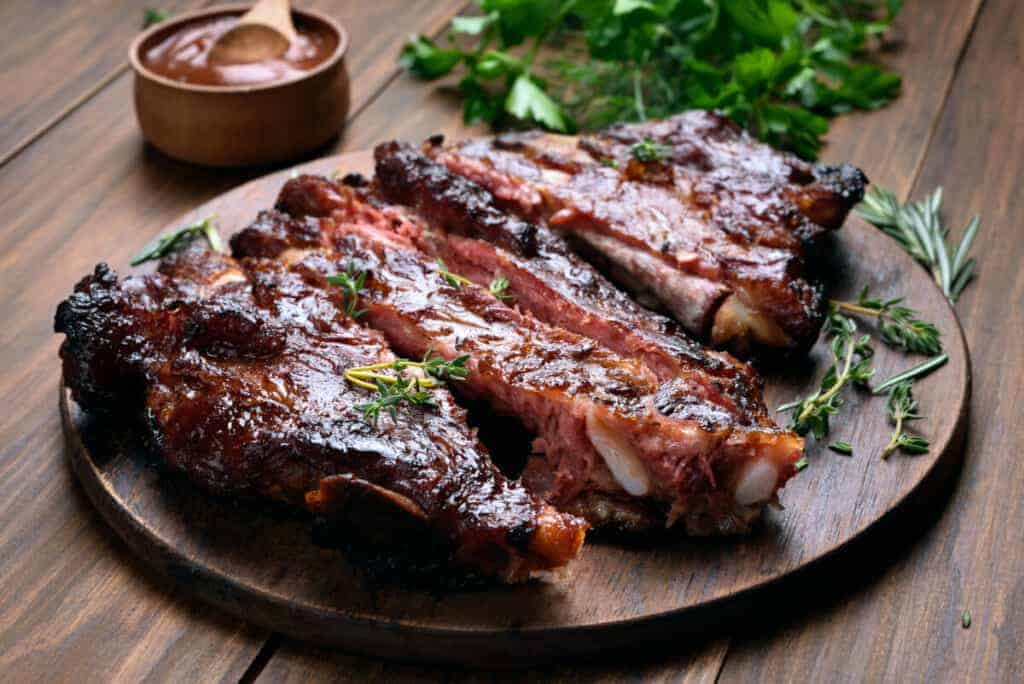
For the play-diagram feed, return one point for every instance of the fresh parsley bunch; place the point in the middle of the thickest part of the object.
(781, 68)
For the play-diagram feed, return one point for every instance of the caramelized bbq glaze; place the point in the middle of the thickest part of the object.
(462, 224)
(618, 445)
(721, 229)
(240, 369)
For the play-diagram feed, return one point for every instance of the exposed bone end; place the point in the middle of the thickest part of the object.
(294, 255)
(620, 457)
(226, 278)
(757, 482)
(737, 324)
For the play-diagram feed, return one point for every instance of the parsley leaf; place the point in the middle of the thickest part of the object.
(780, 68)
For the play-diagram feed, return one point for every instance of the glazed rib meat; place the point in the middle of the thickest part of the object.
(720, 228)
(614, 442)
(239, 367)
(456, 220)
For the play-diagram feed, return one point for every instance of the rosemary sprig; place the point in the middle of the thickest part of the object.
(902, 408)
(917, 226)
(394, 389)
(650, 151)
(920, 370)
(351, 284)
(499, 288)
(898, 325)
(851, 356)
(163, 245)
(452, 279)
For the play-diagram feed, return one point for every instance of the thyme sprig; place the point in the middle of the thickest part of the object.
(899, 326)
(452, 279)
(650, 151)
(917, 226)
(499, 288)
(851, 364)
(351, 284)
(408, 389)
(394, 389)
(902, 408)
(163, 245)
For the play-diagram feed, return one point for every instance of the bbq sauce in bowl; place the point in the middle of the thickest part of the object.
(184, 54)
(241, 114)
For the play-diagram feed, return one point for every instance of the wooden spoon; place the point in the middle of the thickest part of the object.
(263, 33)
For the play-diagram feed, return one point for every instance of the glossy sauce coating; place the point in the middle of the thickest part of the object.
(184, 54)
(556, 382)
(239, 370)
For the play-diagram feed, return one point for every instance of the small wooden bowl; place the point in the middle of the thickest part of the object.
(241, 125)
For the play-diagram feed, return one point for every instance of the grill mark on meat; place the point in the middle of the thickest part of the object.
(239, 367)
(587, 405)
(723, 209)
(551, 282)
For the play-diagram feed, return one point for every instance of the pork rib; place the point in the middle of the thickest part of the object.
(240, 369)
(615, 443)
(456, 220)
(718, 227)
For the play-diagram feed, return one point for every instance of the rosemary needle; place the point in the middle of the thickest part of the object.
(917, 371)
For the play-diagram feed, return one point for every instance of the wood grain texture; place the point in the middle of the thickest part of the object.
(616, 597)
(906, 626)
(55, 52)
(926, 42)
(93, 192)
(696, 661)
(75, 606)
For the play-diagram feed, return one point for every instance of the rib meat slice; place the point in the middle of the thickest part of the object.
(456, 220)
(614, 443)
(240, 369)
(720, 229)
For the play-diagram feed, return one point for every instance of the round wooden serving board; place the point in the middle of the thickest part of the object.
(262, 566)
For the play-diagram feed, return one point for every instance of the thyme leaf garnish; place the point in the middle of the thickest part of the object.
(163, 245)
(902, 408)
(844, 448)
(851, 364)
(499, 288)
(650, 151)
(351, 284)
(399, 387)
(452, 279)
(153, 15)
(898, 325)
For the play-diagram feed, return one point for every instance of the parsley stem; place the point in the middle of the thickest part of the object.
(638, 96)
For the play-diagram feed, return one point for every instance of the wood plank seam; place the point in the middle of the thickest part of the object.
(76, 104)
(937, 119)
(398, 70)
(912, 186)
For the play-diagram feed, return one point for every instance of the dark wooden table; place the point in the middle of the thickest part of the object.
(77, 185)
